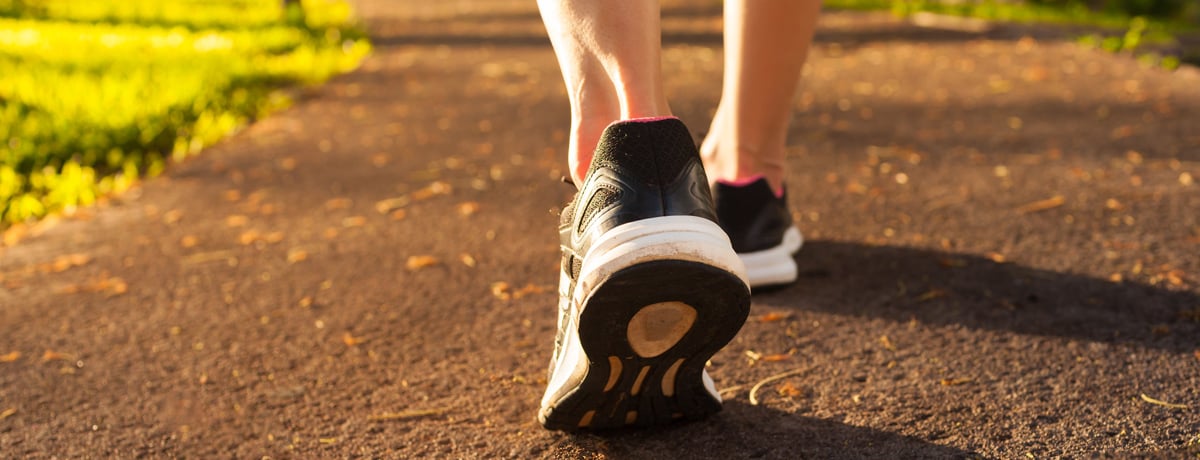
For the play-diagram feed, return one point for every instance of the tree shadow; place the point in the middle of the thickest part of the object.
(746, 431)
(903, 284)
(681, 26)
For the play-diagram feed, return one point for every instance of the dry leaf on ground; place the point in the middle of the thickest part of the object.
(236, 220)
(501, 290)
(10, 357)
(956, 381)
(296, 255)
(467, 208)
(51, 355)
(352, 341)
(1042, 205)
(419, 262)
(773, 316)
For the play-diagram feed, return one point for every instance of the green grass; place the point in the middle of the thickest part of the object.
(1126, 32)
(95, 94)
(1073, 13)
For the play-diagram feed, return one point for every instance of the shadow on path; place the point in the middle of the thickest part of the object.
(680, 27)
(903, 284)
(745, 431)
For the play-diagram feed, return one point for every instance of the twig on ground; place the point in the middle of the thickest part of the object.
(759, 385)
(1163, 403)
(407, 414)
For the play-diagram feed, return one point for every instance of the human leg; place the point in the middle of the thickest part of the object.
(650, 287)
(610, 56)
(766, 43)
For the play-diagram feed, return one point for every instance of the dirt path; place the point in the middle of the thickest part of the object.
(1002, 261)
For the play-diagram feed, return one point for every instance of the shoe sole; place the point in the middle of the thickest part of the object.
(776, 266)
(646, 331)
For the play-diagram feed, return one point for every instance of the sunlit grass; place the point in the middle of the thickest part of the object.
(95, 94)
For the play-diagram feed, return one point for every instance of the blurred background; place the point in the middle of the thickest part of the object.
(95, 94)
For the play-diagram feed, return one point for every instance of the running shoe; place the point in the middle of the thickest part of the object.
(650, 288)
(760, 226)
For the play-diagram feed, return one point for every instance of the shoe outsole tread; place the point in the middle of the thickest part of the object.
(634, 395)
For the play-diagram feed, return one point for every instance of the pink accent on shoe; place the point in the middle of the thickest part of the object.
(645, 120)
(741, 182)
(747, 181)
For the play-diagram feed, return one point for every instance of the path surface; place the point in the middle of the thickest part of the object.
(1002, 260)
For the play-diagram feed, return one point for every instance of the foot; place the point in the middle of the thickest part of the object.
(760, 226)
(650, 288)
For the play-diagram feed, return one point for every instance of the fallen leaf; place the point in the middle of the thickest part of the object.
(296, 255)
(419, 262)
(334, 204)
(530, 289)
(51, 355)
(10, 357)
(789, 390)
(391, 204)
(1186, 179)
(172, 216)
(777, 357)
(406, 414)
(931, 294)
(956, 382)
(887, 343)
(354, 221)
(467, 260)
(8, 413)
(352, 341)
(996, 257)
(1160, 402)
(248, 237)
(501, 290)
(468, 208)
(273, 237)
(433, 189)
(773, 317)
(1042, 205)
(1121, 132)
(236, 220)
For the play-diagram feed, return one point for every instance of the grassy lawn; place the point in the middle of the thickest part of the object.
(96, 93)
(1125, 29)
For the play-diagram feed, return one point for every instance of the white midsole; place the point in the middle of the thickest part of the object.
(688, 238)
(660, 238)
(775, 265)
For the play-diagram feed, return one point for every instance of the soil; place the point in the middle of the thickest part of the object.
(1001, 262)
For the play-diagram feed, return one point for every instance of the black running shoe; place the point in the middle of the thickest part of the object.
(760, 226)
(650, 288)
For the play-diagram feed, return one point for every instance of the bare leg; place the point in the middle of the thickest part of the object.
(766, 43)
(610, 56)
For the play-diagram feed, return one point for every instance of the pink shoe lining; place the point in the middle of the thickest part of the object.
(645, 120)
(747, 181)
